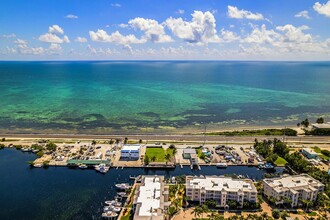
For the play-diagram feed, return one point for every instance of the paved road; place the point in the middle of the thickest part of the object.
(179, 138)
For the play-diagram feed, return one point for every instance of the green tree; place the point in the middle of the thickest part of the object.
(51, 146)
(153, 158)
(146, 160)
(276, 213)
(264, 215)
(306, 204)
(197, 211)
(125, 140)
(111, 141)
(167, 158)
(320, 120)
(284, 214)
(204, 209)
(140, 141)
(93, 142)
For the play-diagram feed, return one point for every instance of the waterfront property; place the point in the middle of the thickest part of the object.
(292, 189)
(221, 189)
(130, 151)
(309, 153)
(151, 198)
(191, 155)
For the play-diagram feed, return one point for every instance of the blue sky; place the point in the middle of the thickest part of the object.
(158, 29)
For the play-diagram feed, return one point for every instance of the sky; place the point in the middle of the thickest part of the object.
(165, 30)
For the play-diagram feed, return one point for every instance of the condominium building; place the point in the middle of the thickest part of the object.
(221, 189)
(151, 199)
(130, 151)
(293, 188)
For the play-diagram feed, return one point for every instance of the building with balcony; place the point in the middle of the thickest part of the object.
(292, 189)
(151, 199)
(221, 189)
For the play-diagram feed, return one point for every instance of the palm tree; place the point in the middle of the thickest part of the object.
(212, 216)
(185, 200)
(197, 211)
(205, 209)
(153, 158)
(264, 215)
(167, 158)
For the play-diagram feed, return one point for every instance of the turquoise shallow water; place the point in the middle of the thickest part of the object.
(102, 97)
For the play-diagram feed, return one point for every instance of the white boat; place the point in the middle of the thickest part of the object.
(111, 208)
(221, 165)
(113, 203)
(123, 186)
(37, 165)
(35, 150)
(122, 194)
(109, 214)
(26, 149)
(83, 166)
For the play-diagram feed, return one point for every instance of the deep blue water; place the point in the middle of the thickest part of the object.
(124, 97)
(63, 193)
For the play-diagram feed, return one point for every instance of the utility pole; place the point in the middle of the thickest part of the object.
(204, 135)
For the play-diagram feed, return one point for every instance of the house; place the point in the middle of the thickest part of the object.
(151, 199)
(309, 153)
(130, 151)
(293, 188)
(188, 152)
(221, 189)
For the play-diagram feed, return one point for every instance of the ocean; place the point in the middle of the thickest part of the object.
(102, 97)
(62, 193)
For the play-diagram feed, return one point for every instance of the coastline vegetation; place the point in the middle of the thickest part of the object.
(260, 132)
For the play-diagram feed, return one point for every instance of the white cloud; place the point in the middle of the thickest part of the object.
(71, 16)
(20, 41)
(116, 5)
(234, 12)
(302, 14)
(294, 34)
(323, 9)
(81, 40)
(180, 11)
(115, 37)
(153, 31)
(228, 36)
(52, 35)
(123, 25)
(12, 35)
(261, 35)
(53, 38)
(201, 29)
(55, 29)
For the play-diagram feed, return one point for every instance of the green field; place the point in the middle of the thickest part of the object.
(158, 154)
(280, 161)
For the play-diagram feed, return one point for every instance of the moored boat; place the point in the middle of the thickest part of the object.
(109, 214)
(83, 166)
(37, 165)
(123, 186)
(221, 165)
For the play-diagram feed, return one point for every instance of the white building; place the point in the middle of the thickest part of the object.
(309, 153)
(295, 188)
(151, 199)
(221, 189)
(130, 151)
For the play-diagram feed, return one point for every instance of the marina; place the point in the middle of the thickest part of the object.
(84, 190)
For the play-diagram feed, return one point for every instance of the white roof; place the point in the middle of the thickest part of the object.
(131, 147)
(309, 150)
(149, 196)
(219, 183)
(293, 181)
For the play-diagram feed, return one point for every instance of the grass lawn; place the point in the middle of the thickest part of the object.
(280, 161)
(318, 151)
(158, 153)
